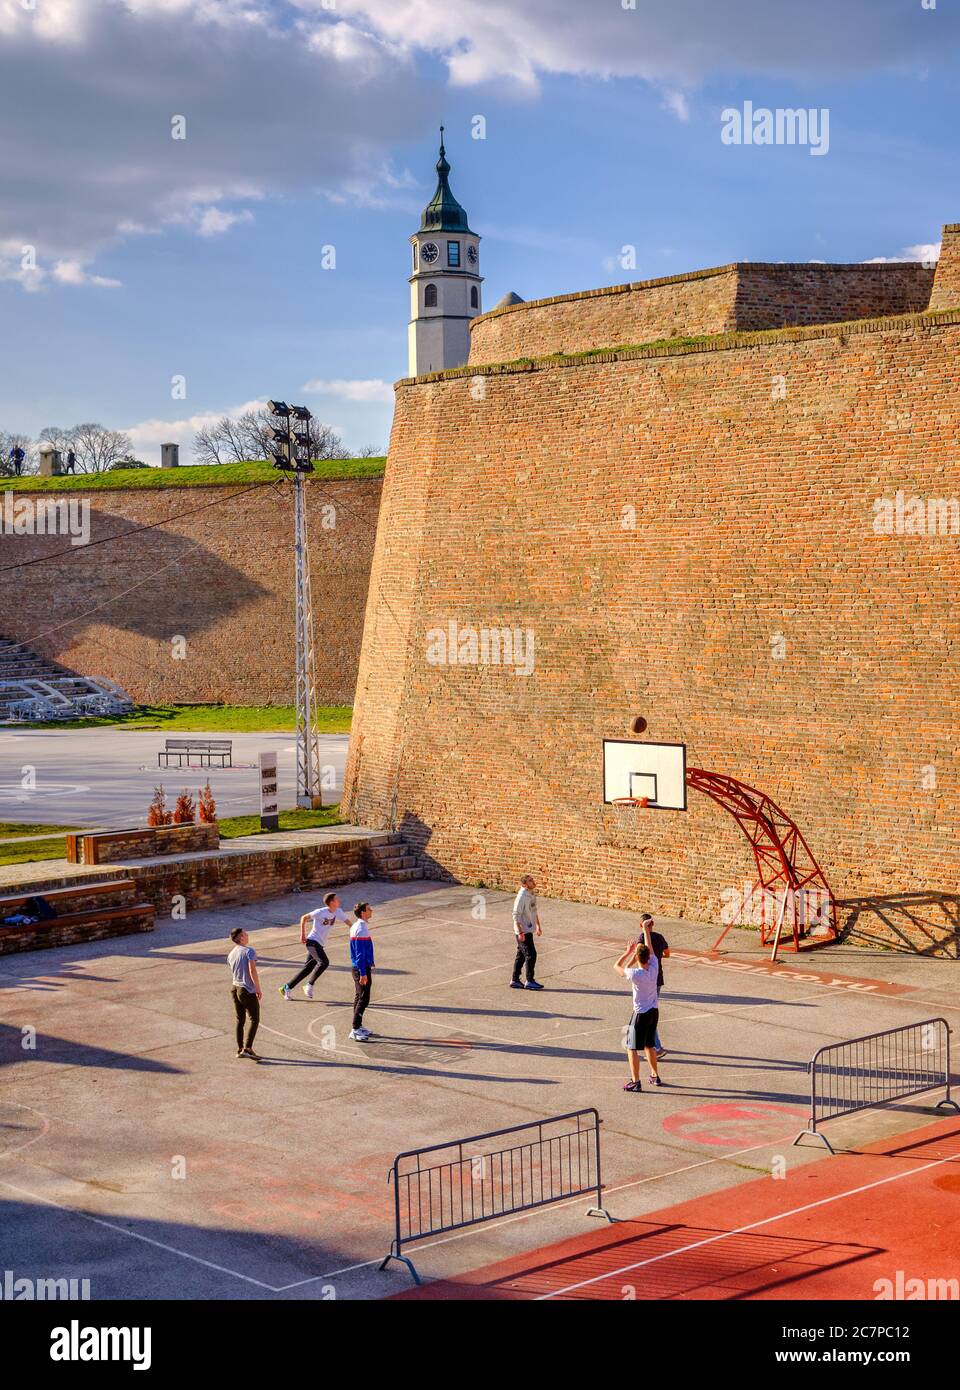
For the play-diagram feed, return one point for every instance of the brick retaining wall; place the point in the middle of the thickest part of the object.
(118, 846)
(221, 579)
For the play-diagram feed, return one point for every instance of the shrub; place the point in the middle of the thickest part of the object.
(207, 807)
(185, 811)
(157, 813)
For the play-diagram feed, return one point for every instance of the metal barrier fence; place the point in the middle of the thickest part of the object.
(875, 1070)
(482, 1178)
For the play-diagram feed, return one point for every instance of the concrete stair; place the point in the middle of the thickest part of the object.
(391, 859)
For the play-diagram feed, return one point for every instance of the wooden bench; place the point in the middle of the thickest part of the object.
(85, 912)
(208, 748)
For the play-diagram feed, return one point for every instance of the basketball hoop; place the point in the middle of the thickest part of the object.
(630, 801)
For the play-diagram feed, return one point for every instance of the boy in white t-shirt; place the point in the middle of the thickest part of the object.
(639, 965)
(314, 929)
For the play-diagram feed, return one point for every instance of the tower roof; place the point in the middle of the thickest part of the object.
(443, 213)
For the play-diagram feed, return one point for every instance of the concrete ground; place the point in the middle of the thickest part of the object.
(137, 1151)
(106, 777)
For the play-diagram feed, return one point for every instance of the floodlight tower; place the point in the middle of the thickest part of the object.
(290, 433)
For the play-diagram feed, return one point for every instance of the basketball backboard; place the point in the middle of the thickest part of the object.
(657, 771)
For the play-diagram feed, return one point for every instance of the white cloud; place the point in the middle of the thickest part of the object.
(677, 103)
(270, 109)
(660, 40)
(927, 252)
(73, 273)
(277, 108)
(357, 390)
(148, 435)
(216, 221)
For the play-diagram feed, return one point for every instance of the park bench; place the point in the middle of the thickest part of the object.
(85, 912)
(202, 748)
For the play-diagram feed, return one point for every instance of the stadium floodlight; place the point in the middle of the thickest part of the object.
(290, 436)
(300, 418)
(279, 437)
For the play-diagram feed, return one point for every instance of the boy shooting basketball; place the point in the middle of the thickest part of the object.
(639, 965)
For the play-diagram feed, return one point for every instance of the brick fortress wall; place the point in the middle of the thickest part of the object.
(221, 578)
(734, 297)
(946, 285)
(690, 536)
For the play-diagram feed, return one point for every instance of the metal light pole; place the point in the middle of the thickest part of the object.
(291, 438)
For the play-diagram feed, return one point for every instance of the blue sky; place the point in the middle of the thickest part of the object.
(313, 123)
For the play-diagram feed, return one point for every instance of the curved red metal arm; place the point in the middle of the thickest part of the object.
(783, 858)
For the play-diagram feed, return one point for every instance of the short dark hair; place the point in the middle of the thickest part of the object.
(237, 932)
(360, 909)
(328, 898)
(643, 955)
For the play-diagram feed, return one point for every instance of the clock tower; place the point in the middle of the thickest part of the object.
(446, 280)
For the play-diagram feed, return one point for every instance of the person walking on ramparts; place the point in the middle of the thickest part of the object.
(526, 925)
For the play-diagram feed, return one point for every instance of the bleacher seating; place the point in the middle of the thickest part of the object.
(85, 912)
(34, 689)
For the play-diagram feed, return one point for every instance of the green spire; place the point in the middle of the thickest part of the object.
(443, 213)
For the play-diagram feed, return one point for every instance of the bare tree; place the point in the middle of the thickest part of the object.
(324, 444)
(226, 441)
(371, 451)
(95, 446)
(243, 438)
(253, 427)
(207, 446)
(57, 438)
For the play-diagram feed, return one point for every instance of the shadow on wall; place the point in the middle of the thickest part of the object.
(155, 584)
(924, 923)
(417, 834)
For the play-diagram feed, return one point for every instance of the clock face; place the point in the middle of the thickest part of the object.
(430, 251)
(472, 255)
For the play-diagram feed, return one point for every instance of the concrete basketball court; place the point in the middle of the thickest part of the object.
(106, 777)
(137, 1151)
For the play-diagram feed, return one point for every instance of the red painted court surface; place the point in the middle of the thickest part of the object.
(830, 1230)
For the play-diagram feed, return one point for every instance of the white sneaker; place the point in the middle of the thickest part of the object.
(359, 1034)
(285, 991)
(308, 991)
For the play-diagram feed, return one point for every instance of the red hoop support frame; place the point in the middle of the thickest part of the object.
(783, 858)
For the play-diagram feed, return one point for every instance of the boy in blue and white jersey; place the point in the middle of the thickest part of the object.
(362, 963)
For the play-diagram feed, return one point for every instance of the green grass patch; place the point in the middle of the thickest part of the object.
(225, 719)
(234, 826)
(231, 827)
(12, 828)
(201, 475)
(32, 852)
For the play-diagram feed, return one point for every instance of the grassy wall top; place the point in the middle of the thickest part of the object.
(215, 475)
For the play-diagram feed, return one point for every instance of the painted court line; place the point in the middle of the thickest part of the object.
(369, 1264)
(742, 1230)
(135, 1235)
